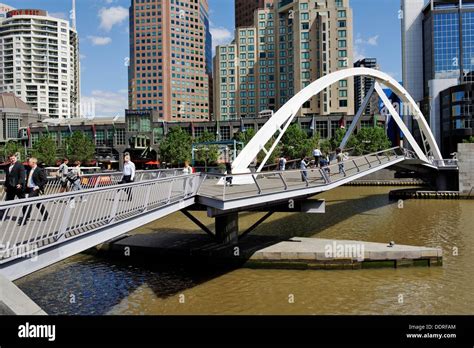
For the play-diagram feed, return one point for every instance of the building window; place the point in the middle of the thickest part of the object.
(100, 138)
(322, 129)
(13, 127)
(120, 136)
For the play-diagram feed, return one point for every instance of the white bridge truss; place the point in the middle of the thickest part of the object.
(282, 119)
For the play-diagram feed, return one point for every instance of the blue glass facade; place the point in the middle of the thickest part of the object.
(468, 42)
(446, 45)
(448, 41)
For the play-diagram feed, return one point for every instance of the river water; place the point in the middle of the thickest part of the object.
(87, 285)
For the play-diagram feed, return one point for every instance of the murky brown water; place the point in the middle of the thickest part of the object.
(86, 285)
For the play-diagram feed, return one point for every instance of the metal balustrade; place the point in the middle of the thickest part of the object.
(273, 182)
(90, 181)
(75, 214)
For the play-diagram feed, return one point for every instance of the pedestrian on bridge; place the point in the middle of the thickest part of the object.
(187, 170)
(62, 173)
(129, 171)
(15, 179)
(282, 164)
(75, 175)
(317, 154)
(340, 160)
(35, 184)
(14, 182)
(304, 170)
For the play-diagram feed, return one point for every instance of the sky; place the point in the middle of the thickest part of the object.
(104, 41)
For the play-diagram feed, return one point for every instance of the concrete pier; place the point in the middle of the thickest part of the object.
(315, 253)
(271, 252)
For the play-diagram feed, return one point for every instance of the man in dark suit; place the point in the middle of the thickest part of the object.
(35, 183)
(15, 179)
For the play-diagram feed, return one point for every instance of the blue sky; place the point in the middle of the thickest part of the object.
(104, 46)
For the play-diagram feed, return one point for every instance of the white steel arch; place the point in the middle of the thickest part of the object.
(280, 121)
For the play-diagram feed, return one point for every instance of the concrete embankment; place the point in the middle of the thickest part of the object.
(13, 301)
(269, 252)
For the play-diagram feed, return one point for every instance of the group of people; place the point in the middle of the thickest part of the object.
(19, 183)
(70, 176)
(321, 160)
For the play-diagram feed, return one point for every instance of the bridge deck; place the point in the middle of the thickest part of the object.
(290, 184)
(80, 220)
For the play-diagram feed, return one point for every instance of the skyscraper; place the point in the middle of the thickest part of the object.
(363, 84)
(288, 46)
(244, 10)
(39, 62)
(170, 58)
(438, 54)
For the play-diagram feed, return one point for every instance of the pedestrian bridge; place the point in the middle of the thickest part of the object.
(80, 220)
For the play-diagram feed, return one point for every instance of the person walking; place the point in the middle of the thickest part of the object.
(14, 184)
(74, 176)
(62, 173)
(34, 187)
(187, 170)
(129, 171)
(15, 179)
(228, 169)
(282, 164)
(340, 161)
(304, 170)
(317, 154)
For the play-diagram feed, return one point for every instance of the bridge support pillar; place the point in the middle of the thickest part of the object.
(227, 228)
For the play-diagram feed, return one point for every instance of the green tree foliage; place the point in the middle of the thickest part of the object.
(45, 150)
(297, 144)
(12, 147)
(370, 140)
(175, 148)
(206, 154)
(336, 141)
(79, 147)
(469, 141)
(246, 136)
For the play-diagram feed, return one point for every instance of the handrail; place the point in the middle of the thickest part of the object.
(294, 180)
(59, 218)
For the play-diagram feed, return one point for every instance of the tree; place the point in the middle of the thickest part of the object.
(245, 136)
(206, 153)
(12, 147)
(336, 141)
(297, 144)
(369, 140)
(175, 148)
(79, 147)
(469, 140)
(45, 150)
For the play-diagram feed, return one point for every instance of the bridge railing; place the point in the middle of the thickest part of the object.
(90, 181)
(59, 218)
(220, 186)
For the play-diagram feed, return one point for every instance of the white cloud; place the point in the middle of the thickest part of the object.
(107, 103)
(100, 40)
(82, 56)
(220, 36)
(60, 15)
(360, 45)
(371, 41)
(112, 16)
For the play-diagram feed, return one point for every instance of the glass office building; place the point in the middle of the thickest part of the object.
(448, 40)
